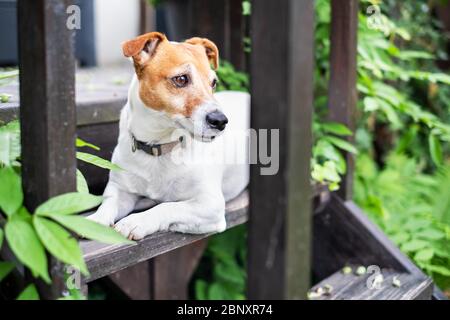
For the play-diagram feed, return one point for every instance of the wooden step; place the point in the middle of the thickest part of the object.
(341, 286)
(344, 235)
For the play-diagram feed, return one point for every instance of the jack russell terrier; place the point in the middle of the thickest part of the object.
(173, 92)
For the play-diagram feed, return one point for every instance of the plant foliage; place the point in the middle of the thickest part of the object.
(52, 225)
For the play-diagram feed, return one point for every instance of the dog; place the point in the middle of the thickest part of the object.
(172, 91)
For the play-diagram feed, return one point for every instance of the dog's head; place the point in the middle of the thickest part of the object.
(178, 79)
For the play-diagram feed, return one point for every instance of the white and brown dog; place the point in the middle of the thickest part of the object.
(173, 91)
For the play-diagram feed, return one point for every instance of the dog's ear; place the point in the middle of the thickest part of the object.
(211, 49)
(142, 48)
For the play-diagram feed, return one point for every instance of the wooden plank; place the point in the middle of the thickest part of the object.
(100, 95)
(342, 93)
(47, 92)
(102, 259)
(343, 234)
(280, 206)
(360, 287)
(171, 272)
(165, 277)
(438, 294)
(134, 281)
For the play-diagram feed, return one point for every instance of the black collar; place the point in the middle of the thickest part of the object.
(154, 149)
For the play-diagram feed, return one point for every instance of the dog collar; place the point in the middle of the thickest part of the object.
(154, 149)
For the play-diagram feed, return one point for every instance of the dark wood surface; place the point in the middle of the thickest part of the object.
(134, 282)
(237, 29)
(342, 93)
(171, 272)
(103, 259)
(103, 135)
(100, 94)
(358, 287)
(343, 234)
(280, 206)
(222, 22)
(208, 20)
(165, 277)
(47, 93)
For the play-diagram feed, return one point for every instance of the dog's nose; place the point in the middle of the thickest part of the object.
(217, 120)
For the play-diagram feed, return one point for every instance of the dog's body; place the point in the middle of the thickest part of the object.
(190, 192)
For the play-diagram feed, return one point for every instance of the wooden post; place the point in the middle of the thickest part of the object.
(236, 32)
(222, 22)
(282, 92)
(47, 107)
(342, 93)
(208, 19)
(172, 271)
(147, 17)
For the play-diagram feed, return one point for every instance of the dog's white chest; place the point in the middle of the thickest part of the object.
(153, 177)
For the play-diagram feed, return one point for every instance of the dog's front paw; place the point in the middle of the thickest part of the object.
(103, 219)
(134, 227)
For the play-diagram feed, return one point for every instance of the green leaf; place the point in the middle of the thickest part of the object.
(414, 245)
(201, 288)
(9, 74)
(90, 229)
(5, 97)
(59, 243)
(400, 238)
(81, 143)
(5, 269)
(230, 272)
(82, 186)
(341, 144)
(390, 113)
(24, 242)
(9, 143)
(431, 234)
(216, 292)
(439, 269)
(435, 149)
(415, 224)
(30, 293)
(11, 196)
(1, 238)
(410, 54)
(69, 203)
(336, 128)
(97, 161)
(424, 254)
(246, 8)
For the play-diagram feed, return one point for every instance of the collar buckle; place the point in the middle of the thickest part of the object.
(133, 143)
(156, 150)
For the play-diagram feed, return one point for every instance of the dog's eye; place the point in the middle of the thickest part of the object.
(214, 84)
(181, 81)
